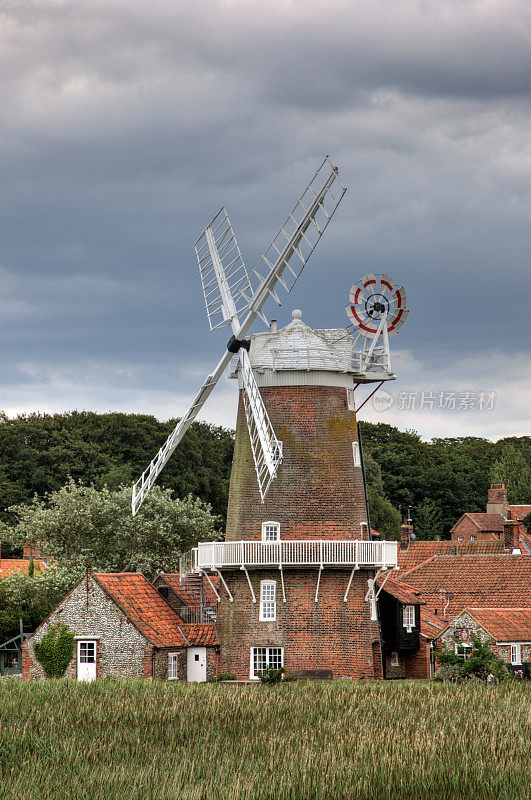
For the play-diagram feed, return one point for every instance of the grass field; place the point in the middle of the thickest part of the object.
(412, 740)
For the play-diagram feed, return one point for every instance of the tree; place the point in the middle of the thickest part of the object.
(512, 470)
(82, 523)
(32, 598)
(428, 520)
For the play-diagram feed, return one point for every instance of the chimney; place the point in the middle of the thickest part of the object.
(406, 533)
(497, 499)
(511, 535)
(273, 327)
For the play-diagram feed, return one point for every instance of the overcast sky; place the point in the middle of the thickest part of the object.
(126, 125)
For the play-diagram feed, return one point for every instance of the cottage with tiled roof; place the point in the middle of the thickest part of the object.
(449, 584)
(509, 630)
(501, 522)
(124, 628)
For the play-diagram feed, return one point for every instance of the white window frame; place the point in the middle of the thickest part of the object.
(395, 659)
(473, 538)
(459, 538)
(408, 617)
(173, 666)
(268, 601)
(268, 528)
(271, 657)
(356, 454)
(516, 654)
(464, 646)
(351, 403)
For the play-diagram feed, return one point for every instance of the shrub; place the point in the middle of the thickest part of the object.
(480, 663)
(271, 676)
(225, 676)
(55, 650)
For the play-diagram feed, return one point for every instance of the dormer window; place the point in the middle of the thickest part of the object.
(270, 531)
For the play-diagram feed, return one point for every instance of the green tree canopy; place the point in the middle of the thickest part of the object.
(96, 526)
(512, 470)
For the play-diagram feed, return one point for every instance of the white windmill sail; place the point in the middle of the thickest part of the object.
(267, 449)
(297, 236)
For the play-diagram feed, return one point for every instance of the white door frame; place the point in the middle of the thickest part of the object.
(196, 664)
(87, 659)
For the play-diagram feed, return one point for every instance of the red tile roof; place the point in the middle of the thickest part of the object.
(10, 565)
(419, 551)
(486, 522)
(200, 635)
(525, 542)
(149, 612)
(173, 581)
(519, 511)
(450, 583)
(401, 591)
(504, 624)
(431, 625)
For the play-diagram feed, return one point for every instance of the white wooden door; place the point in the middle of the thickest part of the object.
(196, 664)
(86, 660)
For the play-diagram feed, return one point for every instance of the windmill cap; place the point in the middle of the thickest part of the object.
(296, 313)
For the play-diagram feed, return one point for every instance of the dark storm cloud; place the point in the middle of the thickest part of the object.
(126, 125)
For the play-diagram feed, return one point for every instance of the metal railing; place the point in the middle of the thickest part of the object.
(289, 553)
(198, 614)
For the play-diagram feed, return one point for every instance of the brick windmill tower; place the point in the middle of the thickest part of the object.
(296, 572)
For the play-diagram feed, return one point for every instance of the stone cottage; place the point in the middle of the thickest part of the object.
(508, 629)
(124, 628)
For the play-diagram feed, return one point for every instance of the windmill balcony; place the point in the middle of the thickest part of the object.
(287, 554)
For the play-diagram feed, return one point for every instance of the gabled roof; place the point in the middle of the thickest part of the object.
(147, 610)
(525, 543)
(504, 624)
(450, 583)
(400, 591)
(485, 522)
(519, 511)
(419, 551)
(10, 565)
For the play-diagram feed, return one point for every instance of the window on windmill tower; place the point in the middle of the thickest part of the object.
(356, 453)
(409, 617)
(350, 400)
(270, 531)
(265, 657)
(395, 661)
(268, 601)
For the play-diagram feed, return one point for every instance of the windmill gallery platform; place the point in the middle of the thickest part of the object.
(296, 571)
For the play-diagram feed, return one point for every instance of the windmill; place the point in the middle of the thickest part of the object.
(234, 298)
(377, 309)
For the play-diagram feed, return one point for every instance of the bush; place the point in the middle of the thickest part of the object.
(271, 676)
(55, 650)
(479, 665)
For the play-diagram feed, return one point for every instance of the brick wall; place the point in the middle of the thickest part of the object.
(122, 652)
(417, 664)
(329, 634)
(466, 528)
(318, 492)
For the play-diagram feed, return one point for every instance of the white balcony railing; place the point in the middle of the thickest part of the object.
(290, 553)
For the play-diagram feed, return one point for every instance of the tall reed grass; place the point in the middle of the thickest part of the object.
(60, 740)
